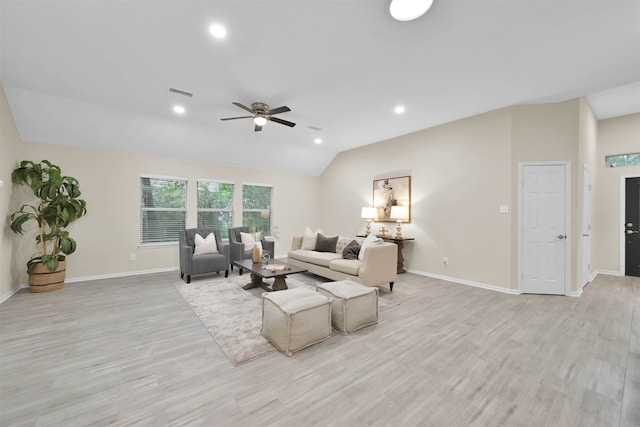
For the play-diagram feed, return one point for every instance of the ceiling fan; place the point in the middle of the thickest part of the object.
(260, 113)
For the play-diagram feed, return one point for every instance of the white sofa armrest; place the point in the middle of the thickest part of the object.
(379, 264)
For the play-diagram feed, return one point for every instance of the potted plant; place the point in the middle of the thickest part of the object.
(59, 205)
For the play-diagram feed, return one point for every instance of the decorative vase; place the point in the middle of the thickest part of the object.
(255, 254)
(42, 279)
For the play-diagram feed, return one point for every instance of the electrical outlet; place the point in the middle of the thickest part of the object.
(132, 257)
(445, 260)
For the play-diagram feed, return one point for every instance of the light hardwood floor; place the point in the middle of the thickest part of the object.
(130, 351)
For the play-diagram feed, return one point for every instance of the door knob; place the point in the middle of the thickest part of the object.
(632, 231)
(562, 236)
(629, 224)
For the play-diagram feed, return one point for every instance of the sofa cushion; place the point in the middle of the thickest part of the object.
(326, 244)
(348, 266)
(309, 239)
(342, 243)
(248, 239)
(351, 251)
(206, 245)
(313, 257)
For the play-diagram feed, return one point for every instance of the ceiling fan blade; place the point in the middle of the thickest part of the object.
(282, 122)
(279, 110)
(235, 118)
(257, 128)
(244, 107)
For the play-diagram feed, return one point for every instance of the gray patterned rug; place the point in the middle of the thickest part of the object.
(233, 316)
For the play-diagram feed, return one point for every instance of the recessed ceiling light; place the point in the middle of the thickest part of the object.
(317, 141)
(178, 109)
(408, 10)
(399, 109)
(218, 31)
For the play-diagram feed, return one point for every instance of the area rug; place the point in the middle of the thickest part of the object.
(233, 316)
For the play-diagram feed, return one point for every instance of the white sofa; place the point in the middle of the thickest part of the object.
(377, 268)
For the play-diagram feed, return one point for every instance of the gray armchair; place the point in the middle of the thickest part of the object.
(191, 264)
(237, 251)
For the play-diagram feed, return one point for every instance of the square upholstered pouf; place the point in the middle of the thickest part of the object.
(353, 305)
(295, 318)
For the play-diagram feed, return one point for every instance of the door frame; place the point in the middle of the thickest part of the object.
(621, 228)
(569, 240)
(586, 279)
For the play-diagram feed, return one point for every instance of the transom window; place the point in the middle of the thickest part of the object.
(256, 207)
(163, 209)
(215, 205)
(620, 160)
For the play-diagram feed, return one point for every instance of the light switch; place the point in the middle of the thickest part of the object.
(504, 209)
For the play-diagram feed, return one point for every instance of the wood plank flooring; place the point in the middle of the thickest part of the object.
(130, 351)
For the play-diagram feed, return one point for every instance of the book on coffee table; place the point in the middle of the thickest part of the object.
(274, 267)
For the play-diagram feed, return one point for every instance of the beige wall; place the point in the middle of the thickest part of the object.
(10, 154)
(109, 182)
(460, 175)
(618, 135)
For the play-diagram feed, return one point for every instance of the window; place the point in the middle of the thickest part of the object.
(215, 206)
(163, 209)
(256, 207)
(632, 159)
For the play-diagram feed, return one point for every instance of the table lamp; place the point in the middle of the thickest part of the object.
(368, 213)
(399, 213)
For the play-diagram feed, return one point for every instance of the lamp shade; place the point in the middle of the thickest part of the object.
(400, 213)
(369, 213)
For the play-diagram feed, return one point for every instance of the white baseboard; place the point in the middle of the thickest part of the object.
(467, 282)
(608, 273)
(11, 293)
(116, 275)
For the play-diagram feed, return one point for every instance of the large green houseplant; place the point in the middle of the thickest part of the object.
(59, 205)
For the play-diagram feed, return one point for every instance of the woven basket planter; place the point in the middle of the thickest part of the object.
(42, 279)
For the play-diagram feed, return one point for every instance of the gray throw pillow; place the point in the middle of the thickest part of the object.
(351, 251)
(326, 244)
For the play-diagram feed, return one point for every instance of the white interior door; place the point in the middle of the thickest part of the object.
(586, 225)
(544, 224)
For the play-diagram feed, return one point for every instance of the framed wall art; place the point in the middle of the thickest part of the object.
(389, 192)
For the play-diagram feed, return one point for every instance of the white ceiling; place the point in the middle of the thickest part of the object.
(96, 73)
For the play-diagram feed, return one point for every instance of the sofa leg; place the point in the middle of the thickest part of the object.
(240, 271)
(231, 267)
(226, 273)
(181, 275)
(391, 286)
(188, 278)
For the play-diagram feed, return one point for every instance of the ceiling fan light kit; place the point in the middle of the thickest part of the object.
(261, 113)
(260, 120)
(408, 10)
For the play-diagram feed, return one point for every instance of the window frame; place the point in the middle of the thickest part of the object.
(269, 209)
(143, 209)
(230, 209)
(607, 160)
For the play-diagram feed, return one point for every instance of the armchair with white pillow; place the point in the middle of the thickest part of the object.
(241, 243)
(202, 251)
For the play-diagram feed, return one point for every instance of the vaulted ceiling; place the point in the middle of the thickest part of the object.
(97, 73)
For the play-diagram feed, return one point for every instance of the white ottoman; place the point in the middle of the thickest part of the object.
(295, 318)
(353, 305)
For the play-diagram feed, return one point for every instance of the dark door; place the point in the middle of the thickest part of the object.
(632, 228)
